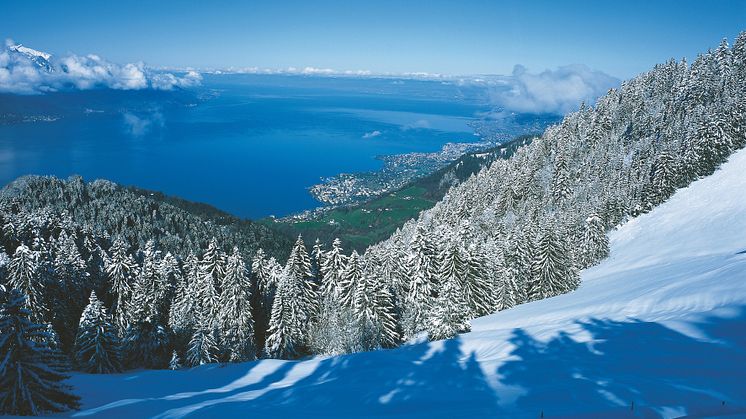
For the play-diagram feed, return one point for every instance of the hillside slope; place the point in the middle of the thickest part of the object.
(656, 330)
(177, 225)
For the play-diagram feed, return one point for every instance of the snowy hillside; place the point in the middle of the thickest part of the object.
(656, 330)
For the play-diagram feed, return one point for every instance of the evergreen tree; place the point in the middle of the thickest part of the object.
(236, 322)
(213, 263)
(332, 270)
(350, 281)
(149, 287)
(373, 307)
(182, 312)
(478, 290)
(23, 275)
(663, 179)
(298, 268)
(595, 244)
(317, 260)
(97, 347)
(552, 269)
(121, 270)
(285, 334)
(175, 362)
(31, 373)
(421, 287)
(450, 314)
(202, 348)
(147, 344)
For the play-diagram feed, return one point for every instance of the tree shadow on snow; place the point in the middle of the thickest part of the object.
(619, 369)
(633, 369)
(412, 381)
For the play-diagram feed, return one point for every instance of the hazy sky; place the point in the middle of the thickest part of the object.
(621, 38)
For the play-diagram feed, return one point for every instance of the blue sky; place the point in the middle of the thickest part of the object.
(621, 38)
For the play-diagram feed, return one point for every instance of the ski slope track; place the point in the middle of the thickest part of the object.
(656, 330)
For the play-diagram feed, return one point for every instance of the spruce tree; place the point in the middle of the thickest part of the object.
(373, 307)
(332, 269)
(450, 313)
(236, 321)
(350, 280)
(97, 346)
(595, 244)
(31, 373)
(421, 287)
(24, 275)
(121, 270)
(298, 269)
(182, 312)
(175, 362)
(213, 263)
(285, 334)
(202, 347)
(552, 270)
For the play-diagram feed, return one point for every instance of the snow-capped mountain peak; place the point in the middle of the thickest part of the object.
(39, 58)
(29, 51)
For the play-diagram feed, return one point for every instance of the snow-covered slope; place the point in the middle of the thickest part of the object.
(656, 330)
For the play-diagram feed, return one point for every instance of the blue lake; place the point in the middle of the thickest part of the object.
(248, 144)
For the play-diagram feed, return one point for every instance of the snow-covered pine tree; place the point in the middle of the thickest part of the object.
(373, 307)
(421, 287)
(148, 287)
(235, 319)
(31, 373)
(71, 287)
(213, 263)
(182, 312)
(169, 274)
(664, 178)
(97, 346)
(317, 260)
(147, 344)
(285, 334)
(337, 332)
(506, 289)
(561, 181)
(477, 282)
(121, 270)
(175, 362)
(595, 244)
(552, 271)
(206, 296)
(298, 268)
(203, 348)
(262, 273)
(332, 268)
(350, 281)
(23, 275)
(265, 273)
(449, 315)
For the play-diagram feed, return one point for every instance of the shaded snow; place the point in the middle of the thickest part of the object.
(661, 324)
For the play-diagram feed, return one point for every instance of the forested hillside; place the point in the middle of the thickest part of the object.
(138, 215)
(521, 229)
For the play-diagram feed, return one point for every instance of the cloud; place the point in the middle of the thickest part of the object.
(551, 91)
(372, 134)
(417, 124)
(139, 125)
(27, 71)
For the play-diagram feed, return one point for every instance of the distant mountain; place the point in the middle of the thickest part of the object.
(39, 58)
